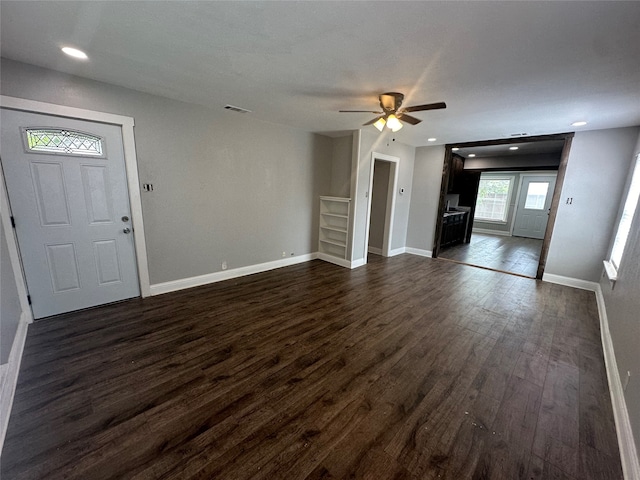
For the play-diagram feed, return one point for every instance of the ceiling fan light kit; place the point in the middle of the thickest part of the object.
(393, 123)
(392, 115)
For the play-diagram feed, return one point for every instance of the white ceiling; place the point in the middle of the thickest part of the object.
(502, 67)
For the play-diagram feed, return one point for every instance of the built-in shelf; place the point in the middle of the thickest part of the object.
(334, 226)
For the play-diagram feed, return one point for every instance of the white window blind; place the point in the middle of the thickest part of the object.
(628, 212)
(493, 199)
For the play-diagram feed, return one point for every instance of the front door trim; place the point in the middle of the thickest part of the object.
(130, 160)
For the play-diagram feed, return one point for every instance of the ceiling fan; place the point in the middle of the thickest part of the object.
(392, 115)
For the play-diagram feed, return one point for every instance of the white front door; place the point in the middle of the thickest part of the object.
(67, 188)
(534, 203)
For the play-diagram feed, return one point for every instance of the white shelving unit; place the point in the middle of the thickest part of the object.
(334, 226)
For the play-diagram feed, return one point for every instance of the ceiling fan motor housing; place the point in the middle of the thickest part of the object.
(391, 101)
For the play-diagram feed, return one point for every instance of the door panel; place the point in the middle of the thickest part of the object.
(534, 202)
(69, 205)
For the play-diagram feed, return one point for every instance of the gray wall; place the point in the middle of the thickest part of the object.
(382, 143)
(622, 305)
(595, 178)
(425, 195)
(341, 166)
(9, 304)
(379, 193)
(227, 187)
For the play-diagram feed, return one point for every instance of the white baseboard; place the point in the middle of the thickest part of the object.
(357, 263)
(570, 282)
(12, 369)
(491, 232)
(397, 251)
(419, 252)
(626, 443)
(183, 283)
(375, 250)
(335, 260)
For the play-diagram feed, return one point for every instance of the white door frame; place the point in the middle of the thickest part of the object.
(131, 167)
(550, 173)
(391, 202)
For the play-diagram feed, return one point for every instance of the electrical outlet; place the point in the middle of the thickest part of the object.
(224, 265)
(284, 254)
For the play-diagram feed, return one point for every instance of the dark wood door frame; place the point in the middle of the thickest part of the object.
(555, 200)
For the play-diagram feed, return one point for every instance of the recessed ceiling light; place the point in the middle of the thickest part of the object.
(75, 53)
(578, 124)
(455, 149)
(513, 148)
(471, 155)
(432, 139)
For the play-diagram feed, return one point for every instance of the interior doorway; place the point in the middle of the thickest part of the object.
(491, 179)
(383, 181)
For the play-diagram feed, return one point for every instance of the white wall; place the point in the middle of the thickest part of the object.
(425, 196)
(226, 187)
(382, 143)
(622, 306)
(595, 178)
(10, 308)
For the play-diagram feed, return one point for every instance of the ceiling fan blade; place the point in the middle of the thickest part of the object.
(409, 119)
(428, 106)
(359, 111)
(371, 122)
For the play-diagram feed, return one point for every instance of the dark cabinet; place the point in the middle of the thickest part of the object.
(454, 227)
(455, 173)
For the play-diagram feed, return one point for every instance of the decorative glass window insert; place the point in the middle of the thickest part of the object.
(628, 212)
(65, 142)
(536, 195)
(493, 199)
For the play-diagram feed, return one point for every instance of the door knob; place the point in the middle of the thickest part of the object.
(126, 230)
(125, 219)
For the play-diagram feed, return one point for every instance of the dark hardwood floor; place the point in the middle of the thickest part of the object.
(508, 254)
(406, 368)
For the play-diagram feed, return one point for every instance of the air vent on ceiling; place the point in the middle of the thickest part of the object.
(237, 109)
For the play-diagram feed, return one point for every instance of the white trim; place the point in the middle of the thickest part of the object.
(391, 192)
(130, 159)
(335, 260)
(626, 442)
(355, 165)
(183, 283)
(611, 271)
(491, 232)
(396, 251)
(10, 380)
(14, 254)
(358, 263)
(570, 282)
(419, 252)
(375, 250)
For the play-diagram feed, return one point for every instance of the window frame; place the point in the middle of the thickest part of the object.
(625, 221)
(505, 221)
(79, 154)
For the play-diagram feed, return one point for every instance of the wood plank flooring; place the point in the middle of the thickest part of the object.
(508, 254)
(406, 368)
